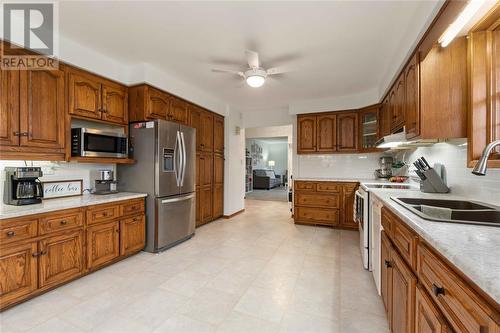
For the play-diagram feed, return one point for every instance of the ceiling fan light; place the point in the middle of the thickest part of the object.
(255, 81)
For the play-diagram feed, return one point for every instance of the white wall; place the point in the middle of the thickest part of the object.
(460, 179)
(234, 165)
(278, 152)
(58, 171)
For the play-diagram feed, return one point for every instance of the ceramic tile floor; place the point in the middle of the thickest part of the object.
(257, 272)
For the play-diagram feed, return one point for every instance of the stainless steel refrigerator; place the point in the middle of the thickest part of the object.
(165, 155)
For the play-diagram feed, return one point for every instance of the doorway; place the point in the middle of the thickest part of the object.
(268, 154)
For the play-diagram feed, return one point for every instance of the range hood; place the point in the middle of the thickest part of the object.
(398, 140)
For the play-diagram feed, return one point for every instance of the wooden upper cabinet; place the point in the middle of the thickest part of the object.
(195, 122)
(347, 132)
(61, 258)
(443, 98)
(91, 96)
(114, 104)
(19, 277)
(84, 96)
(484, 101)
(157, 104)
(306, 134)
(178, 111)
(385, 118)
(42, 106)
(398, 108)
(218, 134)
(412, 98)
(207, 131)
(9, 108)
(326, 128)
(428, 318)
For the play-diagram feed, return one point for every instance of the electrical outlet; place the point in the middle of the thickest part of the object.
(47, 170)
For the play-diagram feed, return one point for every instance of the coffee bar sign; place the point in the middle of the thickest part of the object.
(62, 188)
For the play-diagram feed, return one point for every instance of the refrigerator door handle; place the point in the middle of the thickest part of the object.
(177, 159)
(184, 157)
(187, 197)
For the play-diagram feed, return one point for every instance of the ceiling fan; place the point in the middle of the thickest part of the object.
(255, 75)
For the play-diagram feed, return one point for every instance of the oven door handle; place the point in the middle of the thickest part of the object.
(356, 213)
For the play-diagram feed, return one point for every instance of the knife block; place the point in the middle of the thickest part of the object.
(433, 183)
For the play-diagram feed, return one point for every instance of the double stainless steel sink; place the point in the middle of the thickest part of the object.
(453, 211)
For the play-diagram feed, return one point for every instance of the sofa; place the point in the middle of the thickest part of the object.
(265, 179)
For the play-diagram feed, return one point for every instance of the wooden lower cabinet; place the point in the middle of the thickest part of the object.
(403, 296)
(430, 297)
(348, 194)
(206, 207)
(386, 275)
(324, 203)
(218, 201)
(428, 318)
(61, 258)
(18, 272)
(132, 234)
(103, 243)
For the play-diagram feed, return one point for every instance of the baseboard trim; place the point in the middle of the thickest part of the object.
(234, 214)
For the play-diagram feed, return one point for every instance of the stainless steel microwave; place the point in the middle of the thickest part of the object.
(96, 143)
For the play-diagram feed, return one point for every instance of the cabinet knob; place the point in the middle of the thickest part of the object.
(437, 290)
(105, 214)
(64, 222)
(388, 263)
(11, 233)
(36, 254)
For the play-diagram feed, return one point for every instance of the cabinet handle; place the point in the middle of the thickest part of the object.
(36, 254)
(105, 214)
(437, 290)
(11, 233)
(43, 253)
(16, 133)
(24, 134)
(64, 222)
(388, 264)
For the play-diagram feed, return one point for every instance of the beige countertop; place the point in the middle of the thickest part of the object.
(49, 205)
(473, 249)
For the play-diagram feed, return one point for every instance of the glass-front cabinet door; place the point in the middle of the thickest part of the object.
(369, 132)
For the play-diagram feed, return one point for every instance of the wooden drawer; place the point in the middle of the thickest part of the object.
(405, 241)
(17, 229)
(328, 187)
(60, 220)
(132, 207)
(317, 215)
(386, 221)
(317, 200)
(305, 186)
(102, 213)
(463, 308)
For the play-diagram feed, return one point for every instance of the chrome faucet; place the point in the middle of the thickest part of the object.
(482, 164)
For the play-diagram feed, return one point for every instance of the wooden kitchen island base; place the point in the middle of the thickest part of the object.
(324, 203)
(41, 252)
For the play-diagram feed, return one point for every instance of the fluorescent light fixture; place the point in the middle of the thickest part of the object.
(255, 81)
(390, 144)
(467, 13)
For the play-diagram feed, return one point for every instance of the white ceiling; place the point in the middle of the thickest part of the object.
(333, 48)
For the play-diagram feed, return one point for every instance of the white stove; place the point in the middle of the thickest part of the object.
(368, 218)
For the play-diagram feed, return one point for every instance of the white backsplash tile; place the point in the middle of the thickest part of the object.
(57, 171)
(453, 155)
(337, 165)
